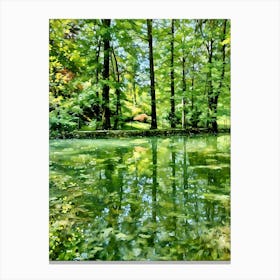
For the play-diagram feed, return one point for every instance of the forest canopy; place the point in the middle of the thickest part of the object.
(138, 74)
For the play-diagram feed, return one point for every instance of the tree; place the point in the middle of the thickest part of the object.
(172, 90)
(184, 33)
(152, 75)
(223, 44)
(118, 92)
(96, 105)
(215, 95)
(105, 95)
(213, 34)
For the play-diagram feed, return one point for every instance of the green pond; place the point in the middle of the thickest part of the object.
(140, 199)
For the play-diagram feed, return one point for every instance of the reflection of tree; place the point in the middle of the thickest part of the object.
(185, 171)
(185, 189)
(109, 166)
(133, 198)
(173, 166)
(215, 212)
(141, 202)
(155, 183)
(154, 186)
(211, 142)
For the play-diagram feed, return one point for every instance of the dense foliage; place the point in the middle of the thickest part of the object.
(140, 199)
(103, 73)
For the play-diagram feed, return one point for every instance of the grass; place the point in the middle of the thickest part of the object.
(136, 126)
(223, 122)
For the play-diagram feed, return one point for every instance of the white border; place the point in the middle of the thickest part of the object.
(24, 138)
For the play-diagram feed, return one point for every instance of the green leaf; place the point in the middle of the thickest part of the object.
(121, 236)
(144, 235)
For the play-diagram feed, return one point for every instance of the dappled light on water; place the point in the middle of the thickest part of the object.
(144, 199)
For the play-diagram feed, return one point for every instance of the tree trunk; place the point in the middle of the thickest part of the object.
(192, 97)
(172, 98)
(134, 85)
(152, 75)
(223, 66)
(134, 91)
(96, 106)
(105, 95)
(213, 97)
(118, 93)
(211, 105)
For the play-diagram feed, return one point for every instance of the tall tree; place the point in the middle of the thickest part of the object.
(118, 92)
(213, 96)
(96, 105)
(172, 97)
(152, 75)
(214, 101)
(184, 82)
(106, 65)
(210, 84)
(222, 72)
(206, 29)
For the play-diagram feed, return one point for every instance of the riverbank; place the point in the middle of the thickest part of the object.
(142, 133)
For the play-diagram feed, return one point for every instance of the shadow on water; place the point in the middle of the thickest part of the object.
(147, 199)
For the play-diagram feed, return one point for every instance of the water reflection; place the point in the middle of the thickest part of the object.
(140, 199)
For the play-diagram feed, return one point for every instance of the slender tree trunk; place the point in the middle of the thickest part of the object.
(94, 112)
(216, 96)
(134, 85)
(223, 66)
(118, 93)
(213, 97)
(134, 91)
(172, 98)
(152, 75)
(192, 97)
(211, 105)
(194, 120)
(96, 106)
(105, 95)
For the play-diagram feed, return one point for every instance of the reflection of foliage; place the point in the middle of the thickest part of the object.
(213, 244)
(105, 205)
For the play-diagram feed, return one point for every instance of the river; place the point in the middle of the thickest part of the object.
(140, 199)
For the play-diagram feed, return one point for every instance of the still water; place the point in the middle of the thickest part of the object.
(145, 199)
